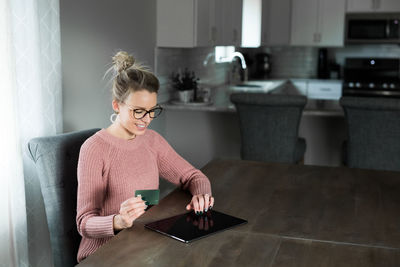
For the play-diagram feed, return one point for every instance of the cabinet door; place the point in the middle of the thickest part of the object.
(324, 90)
(361, 5)
(216, 21)
(202, 23)
(183, 23)
(232, 22)
(331, 22)
(304, 22)
(373, 6)
(276, 19)
(387, 5)
(237, 21)
(175, 23)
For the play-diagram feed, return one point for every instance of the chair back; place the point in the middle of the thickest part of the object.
(373, 129)
(56, 160)
(269, 125)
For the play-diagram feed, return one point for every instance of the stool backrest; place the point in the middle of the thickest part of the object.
(269, 125)
(56, 160)
(373, 126)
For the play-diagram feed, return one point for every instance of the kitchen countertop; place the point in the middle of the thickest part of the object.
(220, 99)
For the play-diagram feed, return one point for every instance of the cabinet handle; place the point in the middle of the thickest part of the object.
(325, 89)
(377, 4)
(317, 37)
(213, 34)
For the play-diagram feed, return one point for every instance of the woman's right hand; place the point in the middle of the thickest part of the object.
(130, 210)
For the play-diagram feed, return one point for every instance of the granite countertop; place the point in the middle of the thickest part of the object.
(220, 99)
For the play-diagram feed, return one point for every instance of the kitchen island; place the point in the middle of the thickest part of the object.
(220, 98)
(202, 132)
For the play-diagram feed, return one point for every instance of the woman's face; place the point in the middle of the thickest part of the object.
(143, 100)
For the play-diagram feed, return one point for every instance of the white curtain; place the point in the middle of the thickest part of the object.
(30, 106)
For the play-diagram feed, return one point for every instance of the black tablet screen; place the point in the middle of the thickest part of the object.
(188, 227)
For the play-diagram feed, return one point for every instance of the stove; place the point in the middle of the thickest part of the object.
(375, 77)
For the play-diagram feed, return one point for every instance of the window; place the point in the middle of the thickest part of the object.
(251, 23)
(223, 53)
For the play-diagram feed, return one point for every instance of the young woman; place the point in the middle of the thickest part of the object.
(127, 156)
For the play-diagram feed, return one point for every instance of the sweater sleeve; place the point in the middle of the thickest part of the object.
(91, 192)
(177, 170)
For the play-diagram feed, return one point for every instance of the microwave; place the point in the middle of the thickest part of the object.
(372, 28)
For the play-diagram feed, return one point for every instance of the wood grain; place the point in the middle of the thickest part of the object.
(297, 216)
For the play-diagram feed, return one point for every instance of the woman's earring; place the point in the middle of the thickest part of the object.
(113, 117)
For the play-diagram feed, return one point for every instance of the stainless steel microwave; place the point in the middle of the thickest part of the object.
(372, 28)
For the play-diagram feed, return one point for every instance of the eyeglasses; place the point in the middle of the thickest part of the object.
(139, 113)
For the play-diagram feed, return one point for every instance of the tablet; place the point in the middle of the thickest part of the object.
(188, 227)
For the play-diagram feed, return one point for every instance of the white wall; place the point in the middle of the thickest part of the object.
(91, 32)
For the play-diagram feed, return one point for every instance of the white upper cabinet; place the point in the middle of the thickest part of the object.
(215, 12)
(373, 5)
(318, 22)
(232, 22)
(183, 23)
(276, 18)
(196, 23)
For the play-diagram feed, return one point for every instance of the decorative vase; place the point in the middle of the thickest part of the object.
(185, 96)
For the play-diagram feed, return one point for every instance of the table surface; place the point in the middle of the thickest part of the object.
(297, 216)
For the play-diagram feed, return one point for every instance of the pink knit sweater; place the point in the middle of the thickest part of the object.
(110, 169)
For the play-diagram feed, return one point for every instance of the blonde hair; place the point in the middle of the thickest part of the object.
(130, 76)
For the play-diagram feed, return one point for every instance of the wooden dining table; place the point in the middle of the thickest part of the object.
(297, 215)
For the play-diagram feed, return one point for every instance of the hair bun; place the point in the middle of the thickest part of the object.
(122, 61)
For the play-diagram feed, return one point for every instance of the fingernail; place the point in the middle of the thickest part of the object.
(143, 198)
(205, 210)
(147, 203)
(197, 213)
(210, 207)
(201, 213)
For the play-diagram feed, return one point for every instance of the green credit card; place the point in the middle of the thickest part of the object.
(151, 196)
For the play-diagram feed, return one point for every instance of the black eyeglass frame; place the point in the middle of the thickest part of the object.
(134, 110)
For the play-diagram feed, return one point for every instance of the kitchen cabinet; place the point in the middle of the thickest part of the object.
(318, 22)
(328, 90)
(373, 6)
(197, 23)
(183, 23)
(276, 18)
(232, 22)
(318, 89)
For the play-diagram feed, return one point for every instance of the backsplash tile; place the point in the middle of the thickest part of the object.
(286, 62)
(200, 60)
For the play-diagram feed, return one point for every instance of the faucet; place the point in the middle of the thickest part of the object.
(244, 75)
(208, 58)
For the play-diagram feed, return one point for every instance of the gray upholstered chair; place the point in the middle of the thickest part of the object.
(373, 127)
(269, 126)
(56, 159)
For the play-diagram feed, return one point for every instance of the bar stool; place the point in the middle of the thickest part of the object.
(269, 126)
(373, 127)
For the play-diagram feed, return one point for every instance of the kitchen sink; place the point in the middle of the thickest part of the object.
(248, 85)
(257, 86)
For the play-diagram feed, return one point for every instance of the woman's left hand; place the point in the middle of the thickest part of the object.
(201, 203)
